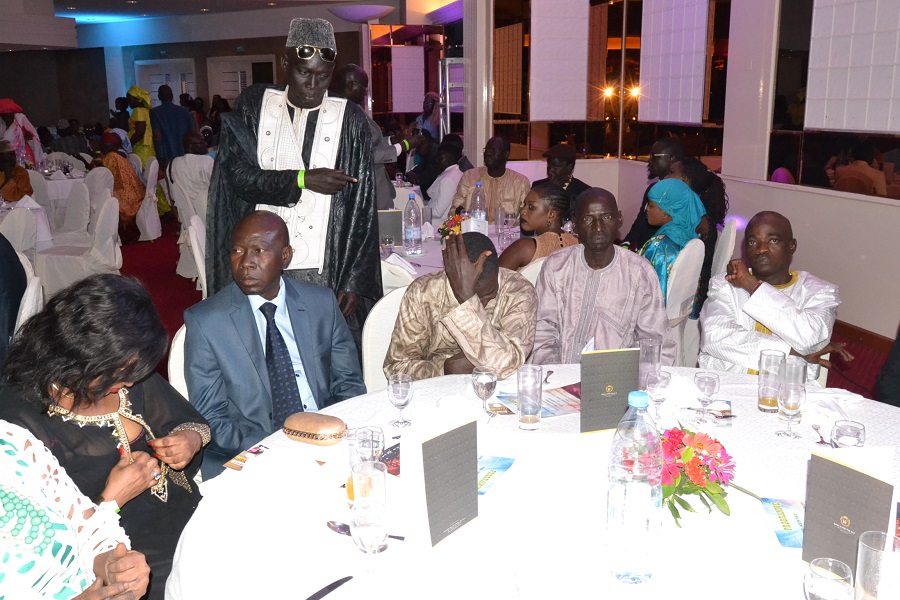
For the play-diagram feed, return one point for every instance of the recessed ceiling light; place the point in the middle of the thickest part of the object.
(273, 4)
(204, 10)
(145, 14)
(71, 8)
(130, 1)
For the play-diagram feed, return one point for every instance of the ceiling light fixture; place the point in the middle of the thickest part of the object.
(71, 8)
(204, 10)
(362, 13)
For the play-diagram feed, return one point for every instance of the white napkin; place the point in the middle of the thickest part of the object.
(825, 406)
(58, 175)
(27, 202)
(427, 231)
(402, 263)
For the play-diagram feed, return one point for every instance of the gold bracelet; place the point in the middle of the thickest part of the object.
(200, 428)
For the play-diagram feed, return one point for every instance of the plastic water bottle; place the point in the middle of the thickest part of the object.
(412, 227)
(635, 493)
(478, 204)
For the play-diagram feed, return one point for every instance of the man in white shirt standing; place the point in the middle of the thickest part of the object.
(766, 306)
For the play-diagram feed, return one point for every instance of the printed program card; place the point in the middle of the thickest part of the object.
(787, 519)
(607, 376)
(451, 495)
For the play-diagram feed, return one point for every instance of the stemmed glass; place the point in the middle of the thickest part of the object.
(791, 397)
(708, 384)
(484, 381)
(828, 578)
(400, 392)
(657, 384)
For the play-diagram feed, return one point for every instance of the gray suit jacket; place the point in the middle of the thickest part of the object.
(225, 364)
(383, 152)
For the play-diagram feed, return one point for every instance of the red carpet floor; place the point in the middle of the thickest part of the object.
(153, 263)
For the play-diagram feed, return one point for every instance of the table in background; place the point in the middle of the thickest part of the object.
(43, 236)
(58, 190)
(539, 534)
(432, 259)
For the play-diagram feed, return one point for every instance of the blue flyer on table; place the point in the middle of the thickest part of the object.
(787, 516)
(489, 468)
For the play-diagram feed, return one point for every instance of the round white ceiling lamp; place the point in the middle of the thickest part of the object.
(361, 13)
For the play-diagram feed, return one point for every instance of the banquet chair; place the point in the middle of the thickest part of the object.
(197, 233)
(683, 279)
(148, 216)
(68, 158)
(184, 206)
(20, 228)
(32, 301)
(135, 161)
(100, 184)
(61, 266)
(724, 248)
(532, 270)
(74, 230)
(27, 265)
(376, 338)
(176, 363)
(41, 194)
(393, 277)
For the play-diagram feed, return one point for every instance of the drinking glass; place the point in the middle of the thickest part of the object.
(368, 527)
(878, 566)
(657, 384)
(708, 384)
(649, 359)
(528, 399)
(400, 392)
(828, 579)
(484, 381)
(387, 246)
(848, 434)
(791, 397)
(369, 483)
(769, 380)
(793, 370)
(364, 444)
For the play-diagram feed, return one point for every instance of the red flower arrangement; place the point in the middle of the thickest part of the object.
(697, 464)
(451, 225)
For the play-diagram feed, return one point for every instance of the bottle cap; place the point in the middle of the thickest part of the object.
(477, 184)
(412, 196)
(638, 399)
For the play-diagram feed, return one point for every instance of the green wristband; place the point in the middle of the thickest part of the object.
(406, 144)
(300, 176)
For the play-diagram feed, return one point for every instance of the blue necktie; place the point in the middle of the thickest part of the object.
(285, 395)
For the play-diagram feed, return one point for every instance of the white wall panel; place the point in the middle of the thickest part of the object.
(559, 60)
(853, 77)
(673, 61)
(407, 78)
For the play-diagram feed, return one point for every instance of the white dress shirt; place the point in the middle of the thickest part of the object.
(283, 322)
(442, 192)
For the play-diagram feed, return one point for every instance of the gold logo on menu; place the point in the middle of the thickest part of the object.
(845, 521)
(610, 389)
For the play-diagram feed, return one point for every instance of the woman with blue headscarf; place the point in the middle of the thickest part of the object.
(676, 210)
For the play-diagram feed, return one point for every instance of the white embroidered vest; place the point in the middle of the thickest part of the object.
(279, 148)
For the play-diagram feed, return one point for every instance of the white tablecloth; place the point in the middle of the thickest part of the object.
(58, 189)
(540, 532)
(432, 260)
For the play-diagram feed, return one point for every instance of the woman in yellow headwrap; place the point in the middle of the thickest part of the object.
(139, 131)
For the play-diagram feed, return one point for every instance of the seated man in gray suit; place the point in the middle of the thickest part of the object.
(265, 346)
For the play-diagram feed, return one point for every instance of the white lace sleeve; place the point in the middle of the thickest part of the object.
(54, 553)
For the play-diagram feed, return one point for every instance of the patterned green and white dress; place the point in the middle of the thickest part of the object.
(47, 546)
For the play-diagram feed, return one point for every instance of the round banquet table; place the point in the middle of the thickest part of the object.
(261, 533)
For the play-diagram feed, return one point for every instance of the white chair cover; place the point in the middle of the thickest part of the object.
(135, 161)
(26, 264)
(176, 363)
(87, 157)
(41, 194)
(376, 338)
(532, 270)
(393, 277)
(100, 183)
(20, 228)
(32, 302)
(74, 231)
(186, 266)
(197, 233)
(683, 280)
(62, 266)
(724, 248)
(148, 216)
(73, 162)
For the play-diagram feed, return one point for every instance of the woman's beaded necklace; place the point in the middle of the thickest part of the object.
(18, 510)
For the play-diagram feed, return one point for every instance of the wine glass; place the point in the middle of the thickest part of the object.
(484, 380)
(828, 578)
(790, 398)
(708, 384)
(657, 384)
(400, 392)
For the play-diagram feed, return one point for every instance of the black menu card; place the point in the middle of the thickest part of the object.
(607, 376)
(450, 465)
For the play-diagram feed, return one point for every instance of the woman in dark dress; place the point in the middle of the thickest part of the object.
(80, 376)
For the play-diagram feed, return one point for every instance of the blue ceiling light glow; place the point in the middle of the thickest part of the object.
(89, 19)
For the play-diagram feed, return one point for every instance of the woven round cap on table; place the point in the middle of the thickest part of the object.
(311, 32)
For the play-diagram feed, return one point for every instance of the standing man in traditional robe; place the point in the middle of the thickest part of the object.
(306, 156)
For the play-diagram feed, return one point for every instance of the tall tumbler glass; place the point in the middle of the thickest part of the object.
(793, 372)
(770, 362)
(649, 359)
(529, 396)
(878, 566)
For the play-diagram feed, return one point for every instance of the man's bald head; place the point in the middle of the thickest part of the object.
(596, 194)
(264, 220)
(769, 246)
(260, 251)
(775, 219)
(194, 143)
